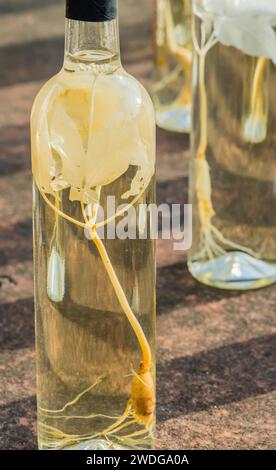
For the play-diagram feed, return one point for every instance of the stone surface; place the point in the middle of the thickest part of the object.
(216, 383)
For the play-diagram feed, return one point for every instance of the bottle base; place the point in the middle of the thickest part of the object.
(234, 271)
(175, 119)
(95, 444)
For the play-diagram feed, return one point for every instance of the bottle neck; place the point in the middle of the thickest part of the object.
(92, 45)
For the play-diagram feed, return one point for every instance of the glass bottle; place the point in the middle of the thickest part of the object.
(172, 87)
(93, 141)
(233, 174)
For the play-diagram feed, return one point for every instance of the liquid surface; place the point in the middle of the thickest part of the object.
(95, 370)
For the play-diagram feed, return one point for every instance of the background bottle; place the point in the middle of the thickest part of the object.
(233, 173)
(93, 136)
(173, 64)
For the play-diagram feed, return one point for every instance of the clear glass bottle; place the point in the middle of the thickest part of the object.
(233, 173)
(172, 87)
(93, 136)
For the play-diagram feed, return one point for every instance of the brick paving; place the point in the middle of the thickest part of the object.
(216, 383)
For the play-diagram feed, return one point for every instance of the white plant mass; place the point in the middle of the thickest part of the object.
(79, 151)
(247, 25)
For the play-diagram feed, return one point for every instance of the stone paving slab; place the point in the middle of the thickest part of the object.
(216, 374)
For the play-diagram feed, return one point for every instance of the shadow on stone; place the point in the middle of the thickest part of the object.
(16, 243)
(217, 377)
(15, 149)
(17, 324)
(20, 6)
(175, 284)
(40, 60)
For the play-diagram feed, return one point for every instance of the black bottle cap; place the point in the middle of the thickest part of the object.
(91, 10)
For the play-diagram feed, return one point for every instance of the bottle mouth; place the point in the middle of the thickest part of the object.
(92, 56)
(96, 60)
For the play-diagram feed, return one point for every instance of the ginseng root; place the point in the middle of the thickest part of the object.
(213, 243)
(142, 401)
(255, 128)
(141, 405)
(184, 59)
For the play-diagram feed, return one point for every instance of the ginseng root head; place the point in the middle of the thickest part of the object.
(143, 397)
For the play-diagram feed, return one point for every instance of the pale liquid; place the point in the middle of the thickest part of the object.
(87, 351)
(242, 163)
(172, 87)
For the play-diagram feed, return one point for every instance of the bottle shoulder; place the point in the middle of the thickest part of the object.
(129, 94)
(144, 93)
